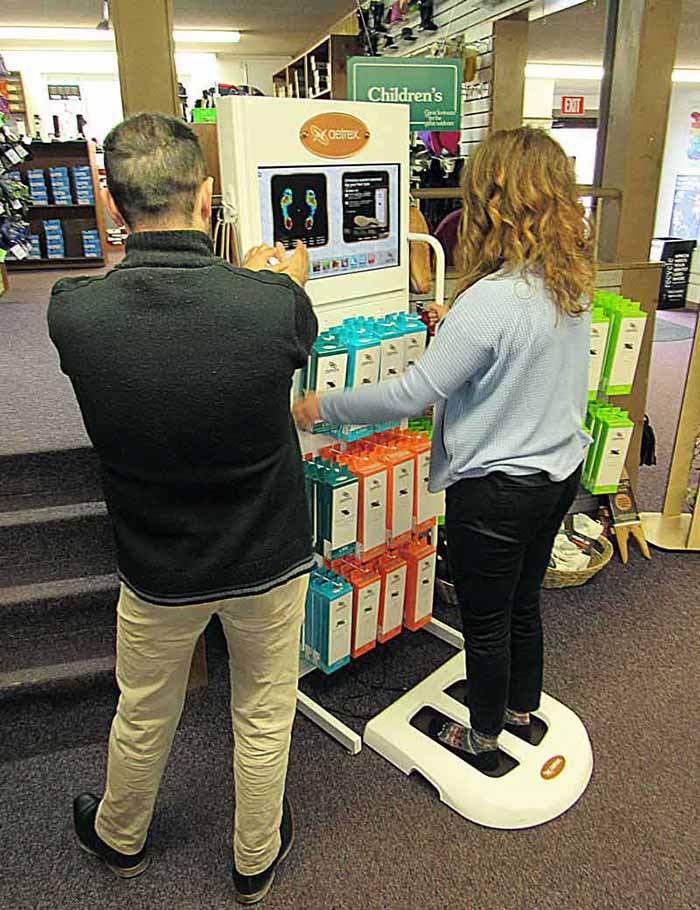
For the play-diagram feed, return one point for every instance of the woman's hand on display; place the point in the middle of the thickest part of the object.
(295, 266)
(258, 258)
(436, 313)
(306, 411)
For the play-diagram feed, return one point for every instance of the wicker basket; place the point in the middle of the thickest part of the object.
(564, 578)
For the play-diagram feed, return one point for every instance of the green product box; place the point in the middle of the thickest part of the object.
(600, 332)
(627, 324)
(616, 431)
(204, 115)
(596, 411)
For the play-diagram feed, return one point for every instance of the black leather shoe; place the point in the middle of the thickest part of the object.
(251, 889)
(84, 811)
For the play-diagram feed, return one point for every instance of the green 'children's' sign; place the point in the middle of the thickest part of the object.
(432, 86)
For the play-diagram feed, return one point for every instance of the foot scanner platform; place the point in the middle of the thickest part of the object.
(535, 781)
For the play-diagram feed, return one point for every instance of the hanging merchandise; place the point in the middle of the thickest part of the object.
(600, 328)
(611, 429)
(327, 630)
(395, 14)
(16, 240)
(392, 569)
(401, 483)
(420, 583)
(426, 16)
(366, 590)
(627, 325)
(647, 454)
(373, 479)
(376, 9)
(366, 20)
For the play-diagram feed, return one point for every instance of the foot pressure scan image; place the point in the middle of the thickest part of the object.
(300, 209)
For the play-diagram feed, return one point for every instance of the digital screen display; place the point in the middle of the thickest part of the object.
(347, 215)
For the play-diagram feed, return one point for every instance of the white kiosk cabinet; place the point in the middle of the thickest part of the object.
(334, 174)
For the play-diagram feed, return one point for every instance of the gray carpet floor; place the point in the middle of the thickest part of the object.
(622, 652)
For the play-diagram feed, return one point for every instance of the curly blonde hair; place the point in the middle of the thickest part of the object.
(522, 213)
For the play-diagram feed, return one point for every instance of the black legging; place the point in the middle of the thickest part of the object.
(500, 532)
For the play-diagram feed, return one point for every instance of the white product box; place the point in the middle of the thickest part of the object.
(415, 347)
(367, 364)
(374, 510)
(331, 371)
(402, 503)
(429, 505)
(629, 342)
(339, 628)
(367, 615)
(425, 586)
(393, 357)
(394, 599)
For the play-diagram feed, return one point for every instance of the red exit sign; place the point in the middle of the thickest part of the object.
(572, 104)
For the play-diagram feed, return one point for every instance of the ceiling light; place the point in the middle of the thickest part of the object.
(73, 35)
(15, 33)
(685, 76)
(563, 71)
(187, 36)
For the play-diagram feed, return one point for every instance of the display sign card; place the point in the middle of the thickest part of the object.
(431, 86)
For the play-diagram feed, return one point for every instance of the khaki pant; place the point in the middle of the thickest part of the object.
(154, 651)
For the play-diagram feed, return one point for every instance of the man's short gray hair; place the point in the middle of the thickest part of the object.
(154, 165)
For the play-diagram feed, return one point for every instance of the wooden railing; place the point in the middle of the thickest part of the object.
(599, 194)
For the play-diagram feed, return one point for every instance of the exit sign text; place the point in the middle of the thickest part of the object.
(572, 104)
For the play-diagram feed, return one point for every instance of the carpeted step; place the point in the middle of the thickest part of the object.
(68, 541)
(62, 606)
(40, 479)
(90, 673)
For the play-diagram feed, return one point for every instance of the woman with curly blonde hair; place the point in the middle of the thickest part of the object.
(508, 372)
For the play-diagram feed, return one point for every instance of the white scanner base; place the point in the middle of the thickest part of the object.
(539, 788)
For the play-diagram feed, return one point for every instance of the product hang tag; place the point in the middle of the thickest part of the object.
(12, 156)
(18, 251)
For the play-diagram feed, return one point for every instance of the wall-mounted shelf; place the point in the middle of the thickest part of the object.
(320, 72)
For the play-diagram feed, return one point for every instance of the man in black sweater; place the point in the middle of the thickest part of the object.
(182, 367)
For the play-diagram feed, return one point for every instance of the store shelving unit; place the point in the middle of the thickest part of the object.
(75, 218)
(321, 72)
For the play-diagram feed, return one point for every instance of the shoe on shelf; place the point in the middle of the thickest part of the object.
(85, 809)
(251, 889)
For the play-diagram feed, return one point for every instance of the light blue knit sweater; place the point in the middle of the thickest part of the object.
(509, 378)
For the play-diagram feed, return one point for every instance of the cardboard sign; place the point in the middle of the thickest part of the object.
(431, 86)
(623, 505)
